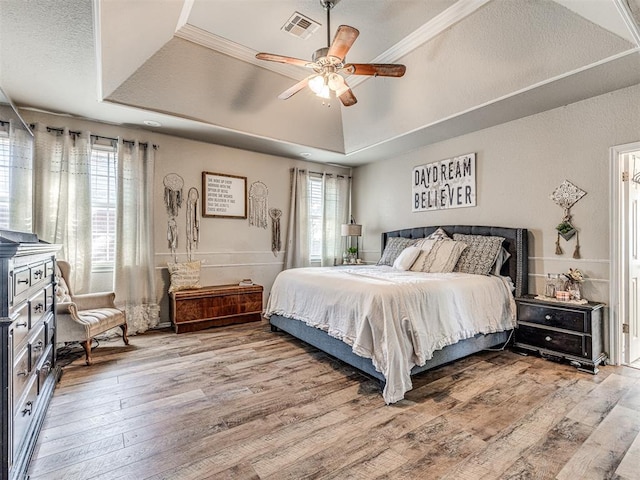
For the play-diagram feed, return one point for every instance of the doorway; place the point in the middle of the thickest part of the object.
(624, 312)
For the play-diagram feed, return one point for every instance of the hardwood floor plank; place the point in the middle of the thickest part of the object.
(629, 467)
(600, 455)
(241, 402)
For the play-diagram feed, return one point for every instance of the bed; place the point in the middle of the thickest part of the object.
(382, 331)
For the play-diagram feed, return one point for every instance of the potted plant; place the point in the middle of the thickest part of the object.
(353, 253)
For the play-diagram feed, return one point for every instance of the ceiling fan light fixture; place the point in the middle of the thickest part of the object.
(316, 83)
(335, 81)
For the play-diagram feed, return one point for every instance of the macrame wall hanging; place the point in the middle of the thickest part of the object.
(258, 194)
(276, 244)
(566, 196)
(193, 223)
(173, 184)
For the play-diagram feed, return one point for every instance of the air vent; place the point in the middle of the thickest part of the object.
(300, 26)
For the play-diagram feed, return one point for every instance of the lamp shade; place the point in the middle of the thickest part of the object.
(351, 230)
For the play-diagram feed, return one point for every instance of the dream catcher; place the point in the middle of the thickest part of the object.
(173, 184)
(276, 244)
(566, 196)
(258, 204)
(193, 224)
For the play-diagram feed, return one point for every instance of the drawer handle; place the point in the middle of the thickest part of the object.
(39, 308)
(23, 373)
(38, 274)
(26, 280)
(27, 411)
(547, 338)
(39, 345)
(547, 317)
(21, 324)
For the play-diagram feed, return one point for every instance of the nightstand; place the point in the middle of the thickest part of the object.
(561, 331)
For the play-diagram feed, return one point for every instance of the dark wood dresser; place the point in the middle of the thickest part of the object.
(28, 355)
(562, 331)
(215, 306)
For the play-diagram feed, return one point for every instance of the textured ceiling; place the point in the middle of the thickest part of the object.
(190, 66)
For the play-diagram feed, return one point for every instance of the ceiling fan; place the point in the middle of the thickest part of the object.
(328, 62)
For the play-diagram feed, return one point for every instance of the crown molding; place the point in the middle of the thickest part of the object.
(457, 12)
(235, 50)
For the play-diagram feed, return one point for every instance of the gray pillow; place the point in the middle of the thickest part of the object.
(393, 248)
(480, 254)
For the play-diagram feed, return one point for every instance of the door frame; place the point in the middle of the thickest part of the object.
(617, 299)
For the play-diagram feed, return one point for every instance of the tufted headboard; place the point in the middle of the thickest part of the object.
(515, 241)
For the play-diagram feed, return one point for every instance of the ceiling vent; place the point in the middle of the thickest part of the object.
(300, 26)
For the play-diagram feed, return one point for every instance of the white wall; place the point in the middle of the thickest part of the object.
(230, 248)
(518, 165)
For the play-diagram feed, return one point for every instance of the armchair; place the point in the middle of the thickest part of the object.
(82, 317)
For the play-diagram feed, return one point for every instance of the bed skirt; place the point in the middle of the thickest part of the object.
(340, 350)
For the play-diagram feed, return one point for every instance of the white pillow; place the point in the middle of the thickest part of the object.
(406, 258)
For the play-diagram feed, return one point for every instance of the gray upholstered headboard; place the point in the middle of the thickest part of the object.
(515, 241)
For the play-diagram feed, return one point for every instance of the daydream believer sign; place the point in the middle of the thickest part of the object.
(449, 183)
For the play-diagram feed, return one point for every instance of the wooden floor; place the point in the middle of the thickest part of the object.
(244, 403)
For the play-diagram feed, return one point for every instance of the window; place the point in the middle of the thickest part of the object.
(315, 218)
(5, 179)
(103, 206)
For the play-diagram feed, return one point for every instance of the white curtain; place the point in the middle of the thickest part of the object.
(62, 197)
(298, 229)
(134, 266)
(20, 179)
(335, 211)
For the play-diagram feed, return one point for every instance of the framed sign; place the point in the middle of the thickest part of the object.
(449, 183)
(224, 195)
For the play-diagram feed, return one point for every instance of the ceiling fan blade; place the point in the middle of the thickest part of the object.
(295, 89)
(348, 98)
(375, 69)
(272, 57)
(342, 42)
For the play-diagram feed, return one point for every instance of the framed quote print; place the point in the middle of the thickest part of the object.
(224, 195)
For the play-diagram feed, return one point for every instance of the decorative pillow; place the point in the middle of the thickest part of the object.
(393, 248)
(406, 258)
(480, 255)
(439, 234)
(184, 275)
(501, 259)
(425, 245)
(441, 258)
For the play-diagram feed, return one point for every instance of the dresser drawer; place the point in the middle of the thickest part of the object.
(22, 415)
(554, 317)
(20, 326)
(37, 307)
(37, 346)
(20, 373)
(49, 330)
(37, 274)
(21, 281)
(563, 342)
(44, 369)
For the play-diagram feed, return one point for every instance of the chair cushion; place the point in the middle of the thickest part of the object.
(101, 319)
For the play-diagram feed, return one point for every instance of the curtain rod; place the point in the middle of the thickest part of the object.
(96, 137)
(323, 173)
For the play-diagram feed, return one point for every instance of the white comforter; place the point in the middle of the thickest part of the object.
(396, 318)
